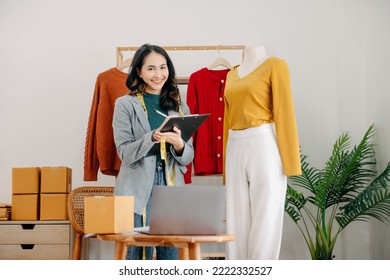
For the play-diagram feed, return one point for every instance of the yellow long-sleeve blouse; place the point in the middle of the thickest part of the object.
(264, 96)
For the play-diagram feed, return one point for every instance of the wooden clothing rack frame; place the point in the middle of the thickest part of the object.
(180, 80)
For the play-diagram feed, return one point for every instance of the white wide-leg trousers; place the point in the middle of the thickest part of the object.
(256, 191)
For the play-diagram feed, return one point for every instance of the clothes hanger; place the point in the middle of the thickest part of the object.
(220, 61)
(125, 64)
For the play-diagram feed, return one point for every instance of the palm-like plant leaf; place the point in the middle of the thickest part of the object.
(347, 186)
(296, 201)
(332, 171)
(309, 178)
(372, 202)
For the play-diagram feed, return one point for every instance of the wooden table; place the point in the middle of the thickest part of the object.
(188, 245)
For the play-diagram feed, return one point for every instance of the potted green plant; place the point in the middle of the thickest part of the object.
(323, 202)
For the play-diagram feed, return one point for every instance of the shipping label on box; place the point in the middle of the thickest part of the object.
(25, 180)
(108, 214)
(56, 179)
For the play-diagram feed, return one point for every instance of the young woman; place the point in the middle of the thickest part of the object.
(152, 87)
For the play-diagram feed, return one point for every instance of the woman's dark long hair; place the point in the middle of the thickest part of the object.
(170, 96)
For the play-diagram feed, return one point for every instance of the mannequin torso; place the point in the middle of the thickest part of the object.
(254, 57)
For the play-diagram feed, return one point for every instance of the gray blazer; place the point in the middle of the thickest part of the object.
(133, 139)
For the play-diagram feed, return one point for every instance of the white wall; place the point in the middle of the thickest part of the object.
(52, 51)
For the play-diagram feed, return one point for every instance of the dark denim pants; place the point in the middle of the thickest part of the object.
(162, 253)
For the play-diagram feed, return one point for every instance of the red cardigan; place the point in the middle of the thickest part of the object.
(100, 150)
(205, 94)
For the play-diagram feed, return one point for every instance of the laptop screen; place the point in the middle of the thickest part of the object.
(189, 209)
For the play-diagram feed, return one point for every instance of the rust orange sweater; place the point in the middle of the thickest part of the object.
(100, 151)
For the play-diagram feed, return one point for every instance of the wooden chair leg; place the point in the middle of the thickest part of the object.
(194, 251)
(183, 253)
(77, 247)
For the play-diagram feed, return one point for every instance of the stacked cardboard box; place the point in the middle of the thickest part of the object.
(40, 192)
(25, 193)
(56, 184)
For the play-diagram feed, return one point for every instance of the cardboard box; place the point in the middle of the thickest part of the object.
(25, 207)
(108, 214)
(25, 180)
(53, 206)
(56, 179)
(5, 212)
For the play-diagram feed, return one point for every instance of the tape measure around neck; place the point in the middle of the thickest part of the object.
(164, 156)
(163, 147)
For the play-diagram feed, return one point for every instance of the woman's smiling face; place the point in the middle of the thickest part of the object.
(154, 72)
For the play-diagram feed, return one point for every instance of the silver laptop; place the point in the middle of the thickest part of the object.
(189, 209)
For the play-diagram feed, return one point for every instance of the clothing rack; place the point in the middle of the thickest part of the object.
(180, 80)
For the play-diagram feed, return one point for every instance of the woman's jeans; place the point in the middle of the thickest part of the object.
(162, 253)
